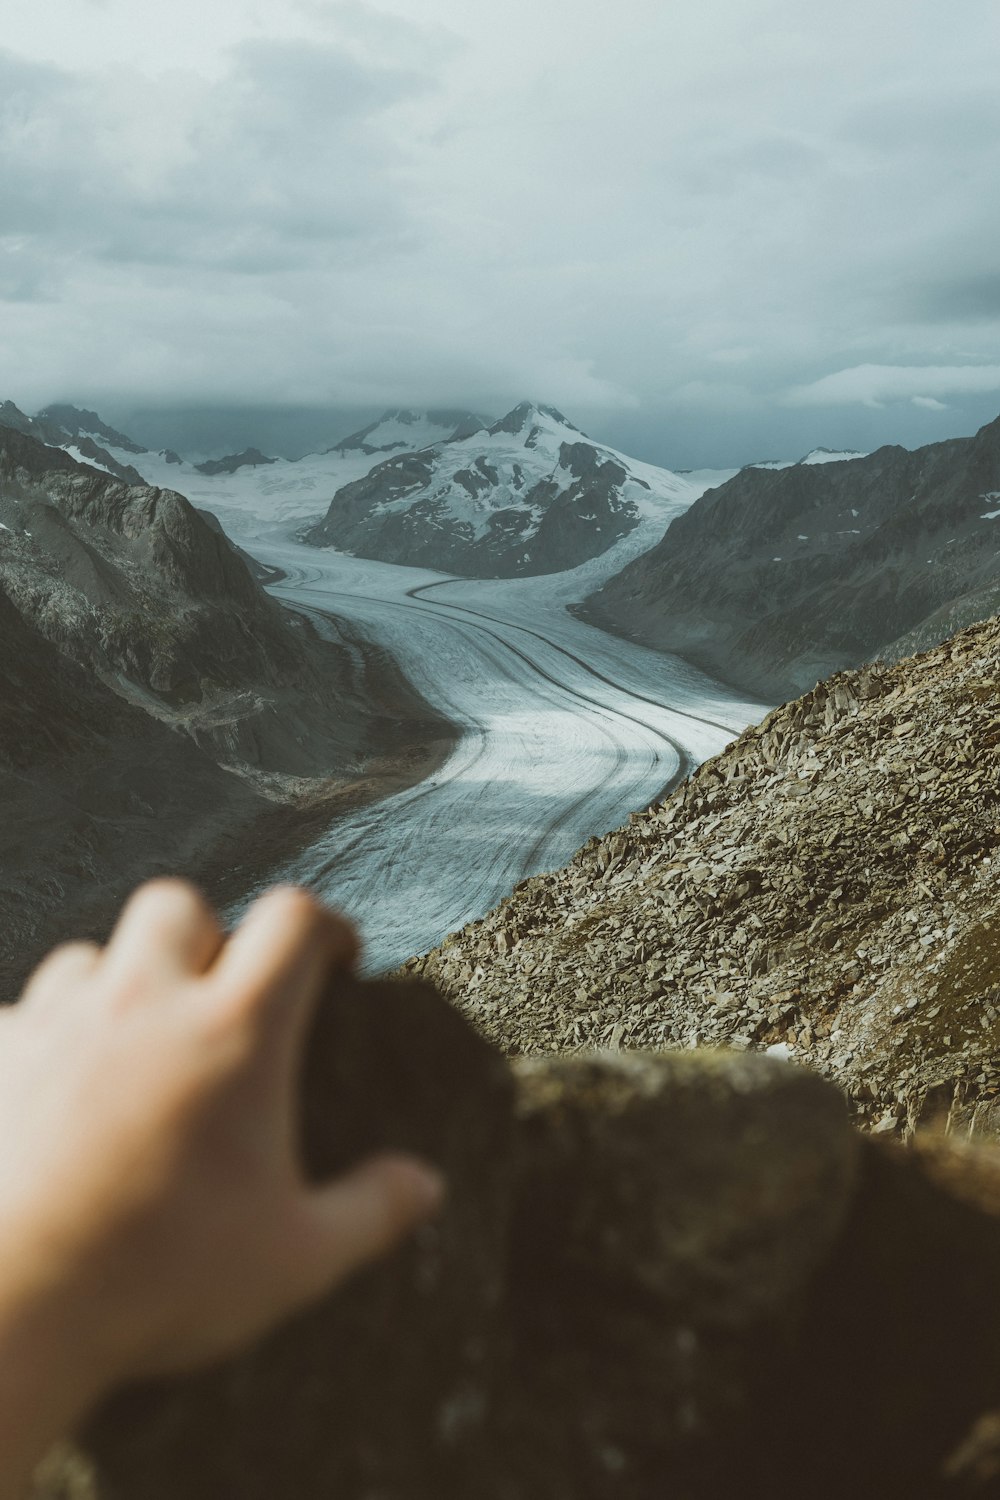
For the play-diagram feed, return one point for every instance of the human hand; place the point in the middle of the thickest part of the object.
(153, 1211)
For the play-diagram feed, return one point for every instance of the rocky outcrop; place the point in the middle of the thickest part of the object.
(779, 578)
(655, 1275)
(250, 458)
(68, 428)
(72, 421)
(133, 583)
(826, 886)
(531, 494)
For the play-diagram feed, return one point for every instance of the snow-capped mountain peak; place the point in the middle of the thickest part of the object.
(529, 417)
(529, 494)
(816, 456)
(831, 456)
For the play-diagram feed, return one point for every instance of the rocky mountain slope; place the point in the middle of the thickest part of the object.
(77, 433)
(95, 795)
(141, 657)
(530, 494)
(827, 886)
(782, 576)
(250, 458)
(132, 582)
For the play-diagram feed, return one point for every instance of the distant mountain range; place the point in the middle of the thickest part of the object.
(767, 577)
(817, 456)
(785, 574)
(251, 486)
(444, 489)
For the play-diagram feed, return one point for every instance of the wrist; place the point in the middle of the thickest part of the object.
(53, 1368)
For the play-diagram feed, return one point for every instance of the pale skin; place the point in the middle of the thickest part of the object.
(153, 1212)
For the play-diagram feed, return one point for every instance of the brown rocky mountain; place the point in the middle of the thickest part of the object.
(827, 885)
(780, 577)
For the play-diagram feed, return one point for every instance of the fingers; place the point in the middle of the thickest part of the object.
(360, 1217)
(284, 948)
(63, 969)
(165, 931)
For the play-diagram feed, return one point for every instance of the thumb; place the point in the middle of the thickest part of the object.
(360, 1216)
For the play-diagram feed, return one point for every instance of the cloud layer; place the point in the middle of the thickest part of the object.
(710, 233)
(878, 385)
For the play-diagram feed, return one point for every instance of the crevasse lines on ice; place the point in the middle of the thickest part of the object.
(422, 590)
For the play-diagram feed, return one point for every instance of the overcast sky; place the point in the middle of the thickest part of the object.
(709, 230)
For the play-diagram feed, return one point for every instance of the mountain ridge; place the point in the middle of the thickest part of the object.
(779, 577)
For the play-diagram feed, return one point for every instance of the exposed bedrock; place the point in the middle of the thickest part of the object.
(657, 1275)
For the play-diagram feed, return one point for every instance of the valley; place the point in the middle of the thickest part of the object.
(561, 726)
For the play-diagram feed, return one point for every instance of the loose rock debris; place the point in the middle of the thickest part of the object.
(828, 884)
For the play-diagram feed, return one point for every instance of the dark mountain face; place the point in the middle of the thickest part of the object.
(781, 577)
(58, 426)
(134, 585)
(147, 684)
(95, 795)
(250, 458)
(75, 422)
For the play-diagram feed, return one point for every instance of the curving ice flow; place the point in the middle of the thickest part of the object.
(564, 730)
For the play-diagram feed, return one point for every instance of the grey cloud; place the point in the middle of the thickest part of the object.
(776, 158)
(874, 385)
(926, 121)
(662, 221)
(285, 166)
(965, 299)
